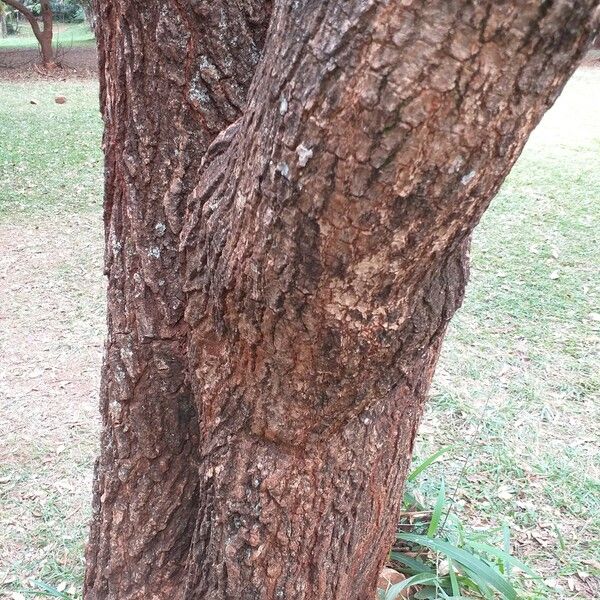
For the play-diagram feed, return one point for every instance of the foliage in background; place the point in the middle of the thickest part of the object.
(66, 35)
(67, 11)
(73, 24)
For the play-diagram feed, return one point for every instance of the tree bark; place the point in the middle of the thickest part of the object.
(282, 270)
(168, 86)
(45, 35)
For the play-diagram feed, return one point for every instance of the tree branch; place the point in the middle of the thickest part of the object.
(46, 11)
(372, 143)
(27, 13)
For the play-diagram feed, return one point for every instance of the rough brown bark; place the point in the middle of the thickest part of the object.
(169, 84)
(43, 34)
(257, 446)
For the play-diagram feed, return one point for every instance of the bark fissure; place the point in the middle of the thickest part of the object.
(282, 270)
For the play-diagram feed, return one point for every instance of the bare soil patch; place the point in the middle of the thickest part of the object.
(51, 331)
(20, 63)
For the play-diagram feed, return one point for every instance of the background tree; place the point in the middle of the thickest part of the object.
(10, 19)
(3, 25)
(42, 33)
(287, 228)
(88, 11)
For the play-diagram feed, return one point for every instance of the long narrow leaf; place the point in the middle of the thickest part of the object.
(479, 585)
(473, 584)
(427, 462)
(422, 578)
(436, 516)
(508, 559)
(470, 562)
(426, 593)
(48, 590)
(413, 564)
(453, 579)
(506, 546)
(561, 539)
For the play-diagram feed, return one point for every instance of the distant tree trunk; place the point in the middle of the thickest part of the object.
(282, 270)
(42, 34)
(45, 36)
(88, 11)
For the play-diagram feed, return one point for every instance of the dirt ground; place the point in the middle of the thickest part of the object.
(75, 62)
(51, 335)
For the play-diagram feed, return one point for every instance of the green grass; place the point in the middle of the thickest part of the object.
(517, 389)
(50, 155)
(53, 536)
(66, 35)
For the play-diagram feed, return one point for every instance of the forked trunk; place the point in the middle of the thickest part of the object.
(42, 34)
(282, 269)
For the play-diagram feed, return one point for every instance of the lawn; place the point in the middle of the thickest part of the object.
(66, 35)
(51, 328)
(50, 157)
(516, 393)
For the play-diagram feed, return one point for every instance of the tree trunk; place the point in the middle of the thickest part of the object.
(43, 35)
(282, 270)
(167, 89)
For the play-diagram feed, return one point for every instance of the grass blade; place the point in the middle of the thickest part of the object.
(436, 517)
(394, 590)
(479, 568)
(453, 579)
(47, 590)
(506, 558)
(506, 546)
(427, 462)
(478, 585)
(561, 539)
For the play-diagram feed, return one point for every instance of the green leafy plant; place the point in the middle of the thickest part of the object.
(441, 558)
